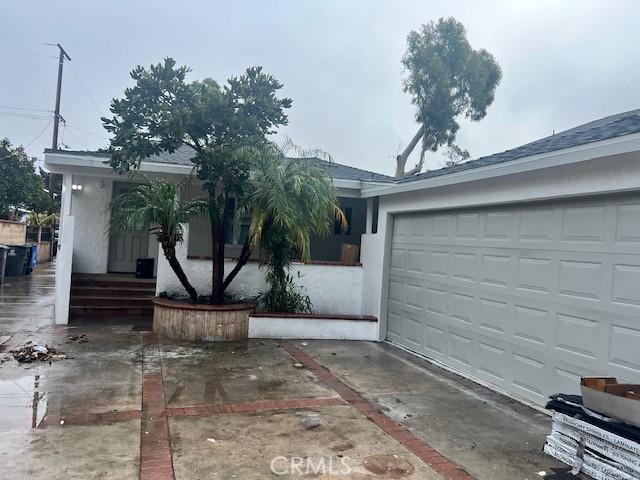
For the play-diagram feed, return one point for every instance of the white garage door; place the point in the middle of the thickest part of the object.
(527, 297)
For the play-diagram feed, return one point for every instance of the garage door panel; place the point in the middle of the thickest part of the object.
(436, 339)
(584, 224)
(626, 285)
(535, 273)
(494, 315)
(492, 360)
(628, 223)
(497, 270)
(528, 298)
(532, 326)
(624, 349)
(413, 332)
(581, 279)
(465, 266)
(537, 226)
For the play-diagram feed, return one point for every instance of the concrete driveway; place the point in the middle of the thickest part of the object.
(130, 405)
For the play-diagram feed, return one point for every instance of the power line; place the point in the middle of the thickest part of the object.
(7, 107)
(39, 134)
(24, 115)
(78, 140)
(86, 90)
(29, 54)
(87, 132)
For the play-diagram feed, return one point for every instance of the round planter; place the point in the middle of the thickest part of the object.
(201, 323)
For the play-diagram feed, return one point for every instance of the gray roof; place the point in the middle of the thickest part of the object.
(605, 128)
(183, 155)
(345, 172)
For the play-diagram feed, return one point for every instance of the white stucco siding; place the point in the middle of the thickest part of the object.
(332, 288)
(371, 257)
(90, 207)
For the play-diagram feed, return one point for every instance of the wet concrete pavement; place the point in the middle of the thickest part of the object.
(129, 405)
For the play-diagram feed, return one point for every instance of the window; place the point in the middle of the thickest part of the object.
(337, 229)
(236, 226)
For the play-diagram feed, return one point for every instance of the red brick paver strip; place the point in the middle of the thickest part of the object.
(156, 462)
(445, 467)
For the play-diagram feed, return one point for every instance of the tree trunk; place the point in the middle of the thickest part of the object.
(242, 261)
(401, 160)
(170, 255)
(217, 252)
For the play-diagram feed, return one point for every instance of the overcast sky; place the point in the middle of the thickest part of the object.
(563, 62)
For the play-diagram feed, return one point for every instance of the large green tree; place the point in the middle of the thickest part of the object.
(447, 79)
(222, 124)
(21, 187)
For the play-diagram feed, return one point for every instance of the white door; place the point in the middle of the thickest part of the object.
(527, 298)
(125, 248)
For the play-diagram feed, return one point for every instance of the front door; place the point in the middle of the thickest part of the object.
(126, 247)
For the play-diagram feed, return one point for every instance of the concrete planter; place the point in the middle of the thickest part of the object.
(196, 323)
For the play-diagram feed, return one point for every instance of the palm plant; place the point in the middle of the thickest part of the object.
(291, 200)
(42, 219)
(163, 205)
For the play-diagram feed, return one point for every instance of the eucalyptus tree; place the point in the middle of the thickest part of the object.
(447, 79)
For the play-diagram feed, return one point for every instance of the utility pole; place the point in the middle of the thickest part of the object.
(56, 113)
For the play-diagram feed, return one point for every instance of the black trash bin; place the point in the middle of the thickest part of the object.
(3, 261)
(144, 268)
(17, 257)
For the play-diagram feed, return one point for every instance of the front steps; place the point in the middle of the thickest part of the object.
(111, 295)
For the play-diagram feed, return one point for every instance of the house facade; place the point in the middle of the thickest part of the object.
(519, 270)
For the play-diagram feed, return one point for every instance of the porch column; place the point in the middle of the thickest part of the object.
(369, 225)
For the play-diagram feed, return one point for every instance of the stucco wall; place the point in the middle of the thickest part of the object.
(371, 257)
(332, 288)
(90, 208)
(12, 233)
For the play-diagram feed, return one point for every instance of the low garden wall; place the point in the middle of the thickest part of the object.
(333, 289)
(12, 233)
(316, 326)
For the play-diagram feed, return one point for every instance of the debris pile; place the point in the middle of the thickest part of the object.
(32, 351)
(78, 338)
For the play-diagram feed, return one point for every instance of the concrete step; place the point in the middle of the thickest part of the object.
(112, 291)
(105, 301)
(113, 281)
(90, 312)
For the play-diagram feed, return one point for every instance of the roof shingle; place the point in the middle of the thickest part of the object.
(602, 129)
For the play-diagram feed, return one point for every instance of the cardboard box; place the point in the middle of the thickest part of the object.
(349, 254)
(613, 401)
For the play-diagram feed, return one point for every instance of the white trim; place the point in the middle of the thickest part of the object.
(580, 153)
(93, 161)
